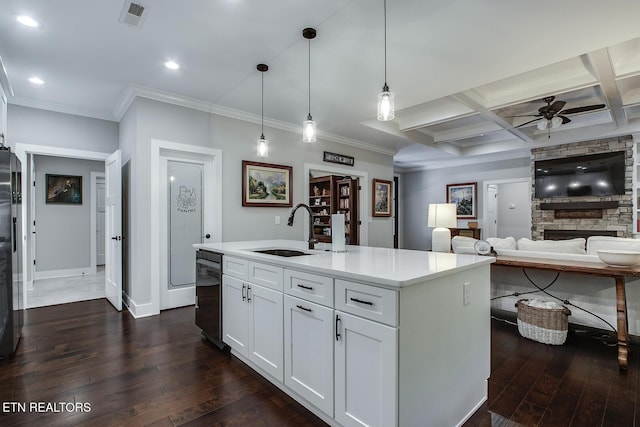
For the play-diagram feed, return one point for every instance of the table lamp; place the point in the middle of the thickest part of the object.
(442, 216)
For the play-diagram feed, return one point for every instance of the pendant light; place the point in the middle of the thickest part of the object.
(386, 101)
(263, 144)
(309, 125)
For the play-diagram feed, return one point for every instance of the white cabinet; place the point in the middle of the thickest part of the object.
(366, 366)
(308, 356)
(252, 323)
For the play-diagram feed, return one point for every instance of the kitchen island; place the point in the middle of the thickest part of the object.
(370, 336)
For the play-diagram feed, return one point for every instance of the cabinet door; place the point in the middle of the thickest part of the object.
(308, 356)
(366, 372)
(265, 329)
(235, 325)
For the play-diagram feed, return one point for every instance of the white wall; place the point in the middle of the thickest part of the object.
(421, 188)
(63, 231)
(236, 139)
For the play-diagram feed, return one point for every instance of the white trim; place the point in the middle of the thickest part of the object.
(132, 91)
(52, 274)
(157, 147)
(363, 207)
(94, 209)
(21, 151)
(138, 310)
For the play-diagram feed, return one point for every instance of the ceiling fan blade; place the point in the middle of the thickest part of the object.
(565, 119)
(531, 121)
(582, 109)
(557, 106)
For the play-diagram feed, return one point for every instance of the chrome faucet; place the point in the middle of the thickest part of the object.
(312, 240)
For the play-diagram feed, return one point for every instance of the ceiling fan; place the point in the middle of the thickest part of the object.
(551, 115)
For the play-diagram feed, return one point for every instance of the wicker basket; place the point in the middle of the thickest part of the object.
(545, 325)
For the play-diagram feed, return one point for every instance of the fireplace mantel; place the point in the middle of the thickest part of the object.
(579, 205)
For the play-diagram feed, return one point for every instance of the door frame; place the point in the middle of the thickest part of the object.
(22, 151)
(363, 208)
(157, 148)
(95, 176)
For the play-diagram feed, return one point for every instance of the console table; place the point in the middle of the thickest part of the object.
(466, 232)
(619, 274)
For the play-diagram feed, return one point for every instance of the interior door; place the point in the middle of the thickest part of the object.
(113, 229)
(100, 210)
(491, 221)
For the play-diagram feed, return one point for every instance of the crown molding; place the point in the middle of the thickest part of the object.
(132, 91)
(59, 108)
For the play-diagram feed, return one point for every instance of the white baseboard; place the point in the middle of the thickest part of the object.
(52, 274)
(138, 310)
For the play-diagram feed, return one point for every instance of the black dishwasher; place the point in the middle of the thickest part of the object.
(209, 295)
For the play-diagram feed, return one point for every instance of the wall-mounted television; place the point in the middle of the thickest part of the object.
(589, 175)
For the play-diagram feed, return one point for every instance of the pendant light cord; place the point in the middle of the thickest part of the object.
(309, 79)
(262, 107)
(385, 42)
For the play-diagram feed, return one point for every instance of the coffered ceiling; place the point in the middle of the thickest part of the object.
(460, 69)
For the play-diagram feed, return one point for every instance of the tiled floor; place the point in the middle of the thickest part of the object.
(66, 289)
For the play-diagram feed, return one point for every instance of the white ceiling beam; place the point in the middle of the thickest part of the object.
(466, 132)
(468, 99)
(427, 140)
(600, 62)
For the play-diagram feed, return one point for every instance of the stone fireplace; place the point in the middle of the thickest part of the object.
(569, 217)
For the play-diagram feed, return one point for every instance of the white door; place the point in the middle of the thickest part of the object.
(308, 351)
(185, 197)
(100, 224)
(491, 222)
(235, 320)
(366, 373)
(113, 230)
(265, 329)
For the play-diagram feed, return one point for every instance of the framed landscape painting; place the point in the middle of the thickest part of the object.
(382, 192)
(464, 196)
(266, 185)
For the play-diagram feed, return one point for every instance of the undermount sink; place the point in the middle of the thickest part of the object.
(282, 252)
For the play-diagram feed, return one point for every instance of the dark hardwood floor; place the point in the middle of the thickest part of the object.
(158, 371)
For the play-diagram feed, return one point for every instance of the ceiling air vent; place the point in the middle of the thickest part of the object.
(132, 14)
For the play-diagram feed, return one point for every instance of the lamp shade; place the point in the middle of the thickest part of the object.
(442, 215)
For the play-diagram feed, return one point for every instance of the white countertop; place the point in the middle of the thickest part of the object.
(386, 267)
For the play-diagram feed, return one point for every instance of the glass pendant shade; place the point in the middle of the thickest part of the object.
(542, 124)
(263, 147)
(309, 130)
(555, 122)
(386, 104)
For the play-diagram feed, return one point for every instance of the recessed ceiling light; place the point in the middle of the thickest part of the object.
(172, 65)
(28, 21)
(36, 80)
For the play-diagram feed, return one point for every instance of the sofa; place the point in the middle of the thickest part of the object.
(595, 294)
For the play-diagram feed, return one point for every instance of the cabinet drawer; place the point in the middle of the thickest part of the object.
(236, 267)
(308, 286)
(266, 275)
(367, 301)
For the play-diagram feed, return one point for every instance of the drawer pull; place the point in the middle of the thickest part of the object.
(309, 288)
(244, 297)
(361, 302)
(303, 308)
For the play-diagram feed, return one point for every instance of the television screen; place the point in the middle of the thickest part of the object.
(589, 175)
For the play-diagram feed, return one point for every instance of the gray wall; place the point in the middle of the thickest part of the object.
(63, 231)
(236, 139)
(41, 127)
(421, 188)
(514, 210)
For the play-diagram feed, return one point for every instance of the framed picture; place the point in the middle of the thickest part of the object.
(64, 189)
(381, 197)
(464, 196)
(265, 184)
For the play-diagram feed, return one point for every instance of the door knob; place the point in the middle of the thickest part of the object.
(207, 236)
